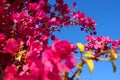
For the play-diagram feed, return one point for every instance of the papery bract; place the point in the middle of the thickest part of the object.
(11, 71)
(11, 47)
(2, 37)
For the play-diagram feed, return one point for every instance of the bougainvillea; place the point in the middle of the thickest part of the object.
(27, 26)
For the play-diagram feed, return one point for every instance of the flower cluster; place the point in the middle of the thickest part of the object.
(25, 30)
(96, 43)
(101, 43)
(87, 23)
(49, 65)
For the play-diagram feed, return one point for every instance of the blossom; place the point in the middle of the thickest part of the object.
(63, 47)
(2, 37)
(12, 46)
(99, 42)
(115, 44)
(74, 3)
(59, 1)
(33, 6)
(59, 54)
(90, 23)
(10, 71)
(4, 1)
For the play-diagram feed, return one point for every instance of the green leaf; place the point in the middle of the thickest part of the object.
(81, 47)
(114, 67)
(89, 54)
(113, 55)
(19, 56)
(90, 64)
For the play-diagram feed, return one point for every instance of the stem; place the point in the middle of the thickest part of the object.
(76, 72)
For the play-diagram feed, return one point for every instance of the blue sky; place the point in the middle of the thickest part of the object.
(106, 13)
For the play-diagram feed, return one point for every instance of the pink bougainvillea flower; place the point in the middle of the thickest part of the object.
(15, 17)
(63, 48)
(90, 23)
(99, 42)
(12, 46)
(67, 64)
(40, 15)
(33, 6)
(10, 71)
(3, 1)
(115, 44)
(59, 1)
(74, 3)
(2, 37)
(59, 54)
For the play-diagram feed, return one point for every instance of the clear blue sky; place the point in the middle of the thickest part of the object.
(106, 13)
